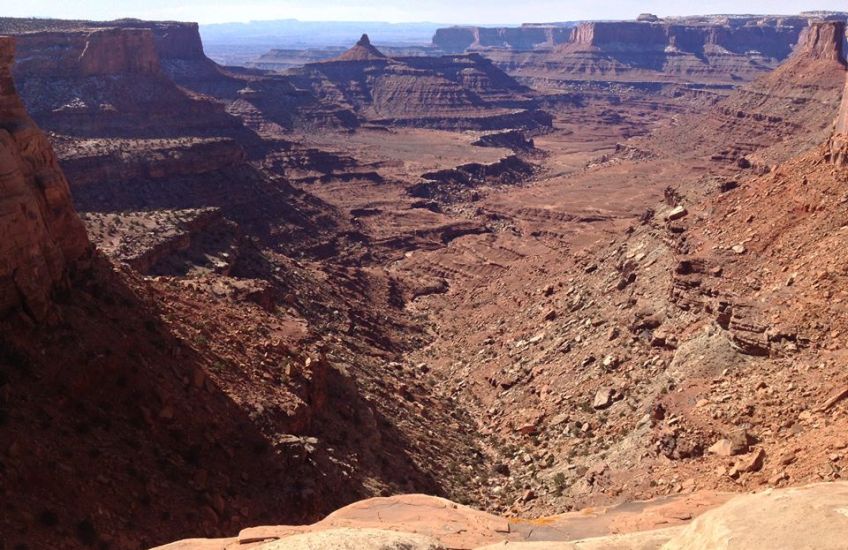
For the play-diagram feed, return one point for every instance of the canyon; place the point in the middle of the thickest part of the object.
(561, 286)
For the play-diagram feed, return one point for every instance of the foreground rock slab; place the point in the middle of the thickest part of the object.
(815, 516)
(459, 527)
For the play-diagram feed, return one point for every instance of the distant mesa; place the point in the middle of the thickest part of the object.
(647, 18)
(362, 51)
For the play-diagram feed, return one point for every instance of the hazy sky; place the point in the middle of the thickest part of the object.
(440, 11)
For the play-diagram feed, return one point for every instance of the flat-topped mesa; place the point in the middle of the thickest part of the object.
(93, 52)
(177, 40)
(43, 238)
(363, 50)
(771, 36)
(774, 41)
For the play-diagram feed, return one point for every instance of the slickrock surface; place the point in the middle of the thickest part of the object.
(42, 236)
(803, 517)
(460, 527)
(815, 516)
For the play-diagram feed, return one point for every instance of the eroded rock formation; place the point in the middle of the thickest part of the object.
(771, 36)
(709, 50)
(464, 91)
(42, 236)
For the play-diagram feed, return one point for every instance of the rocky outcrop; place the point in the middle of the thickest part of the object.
(42, 236)
(361, 51)
(837, 150)
(510, 139)
(461, 91)
(452, 184)
(122, 161)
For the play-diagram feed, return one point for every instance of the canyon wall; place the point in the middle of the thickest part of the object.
(713, 52)
(771, 36)
(42, 235)
(177, 40)
(89, 53)
(773, 41)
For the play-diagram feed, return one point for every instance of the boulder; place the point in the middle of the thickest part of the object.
(676, 213)
(735, 444)
(748, 463)
(604, 398)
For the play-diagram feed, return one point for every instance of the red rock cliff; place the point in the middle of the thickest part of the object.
(772, 40)
(177, 40)
(42, 236)
(823, 41)
(773, 37)
(88, 52)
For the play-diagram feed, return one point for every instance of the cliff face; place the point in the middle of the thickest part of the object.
(89, 53)
(42, 235)
(113, 82)
(702, 51)
(770, 36)
(177, 40)
(823, 41)
(773, 41)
